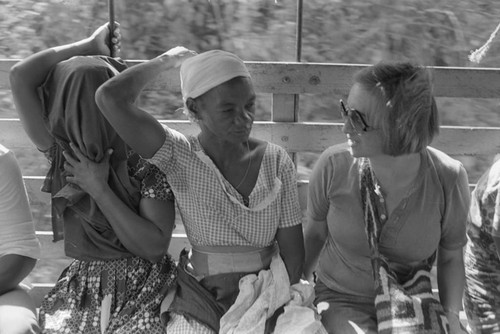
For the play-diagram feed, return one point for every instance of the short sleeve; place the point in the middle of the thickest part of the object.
(154, 182)
(318, 201)
(457, 199)
(290, 206)
(172, 153)
(51, 152)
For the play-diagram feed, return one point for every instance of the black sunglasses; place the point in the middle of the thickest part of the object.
(354, 117)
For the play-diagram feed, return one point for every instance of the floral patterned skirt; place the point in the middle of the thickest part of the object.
(113, 296)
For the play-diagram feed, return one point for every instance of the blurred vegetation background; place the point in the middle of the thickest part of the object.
(432, 32)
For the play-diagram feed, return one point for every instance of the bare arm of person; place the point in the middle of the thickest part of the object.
(116, 99)
(13, 269)
(316, 233)
(146, 234)
(451, 280)
(291, 244)
(30, 73)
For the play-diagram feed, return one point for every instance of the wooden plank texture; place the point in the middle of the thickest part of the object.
(300, 78)
(308, 137)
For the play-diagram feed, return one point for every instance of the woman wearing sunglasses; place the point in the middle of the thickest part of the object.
(418, 204)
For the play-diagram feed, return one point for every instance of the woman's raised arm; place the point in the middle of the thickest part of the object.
(30, 73)
(116, 99)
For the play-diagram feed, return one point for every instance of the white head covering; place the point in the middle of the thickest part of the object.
(209, 69)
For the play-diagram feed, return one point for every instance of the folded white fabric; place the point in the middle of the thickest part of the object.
(209, 69)
(260, 296)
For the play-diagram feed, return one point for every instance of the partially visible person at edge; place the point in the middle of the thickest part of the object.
(237, 195)
(390, 118)
(114, 209)
(482, 251)
(19, 249)
(482, 255)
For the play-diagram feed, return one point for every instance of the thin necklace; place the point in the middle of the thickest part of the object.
(248, 168)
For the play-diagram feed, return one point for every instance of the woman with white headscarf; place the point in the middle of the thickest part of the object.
(237, 195)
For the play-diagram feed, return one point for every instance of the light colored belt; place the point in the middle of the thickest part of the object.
(212, 260)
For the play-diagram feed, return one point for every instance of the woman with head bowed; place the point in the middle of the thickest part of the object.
(237, 195)
(385, 187)
(114, 210)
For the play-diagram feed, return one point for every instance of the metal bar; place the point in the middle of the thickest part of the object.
(111, 11)
(300, 9)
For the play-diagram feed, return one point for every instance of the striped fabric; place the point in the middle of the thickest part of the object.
(408, 307)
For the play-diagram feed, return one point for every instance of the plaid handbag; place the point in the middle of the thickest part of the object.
(402, 307)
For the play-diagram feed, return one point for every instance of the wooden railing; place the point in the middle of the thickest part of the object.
(282, 81)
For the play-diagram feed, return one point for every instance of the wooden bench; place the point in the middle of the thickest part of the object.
(279, 84)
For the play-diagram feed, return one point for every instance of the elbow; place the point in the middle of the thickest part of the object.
(112, 96)
(105, 98)
(16, 75)
(151, 254)
(156, 250)
(155, 255)
(155, 258)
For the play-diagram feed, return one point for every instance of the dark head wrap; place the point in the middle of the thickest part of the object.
(73, 116)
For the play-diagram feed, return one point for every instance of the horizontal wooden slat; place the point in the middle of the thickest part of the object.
(300, 78)
(308, 137)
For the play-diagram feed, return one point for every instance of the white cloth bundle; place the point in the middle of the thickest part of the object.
(261, 295)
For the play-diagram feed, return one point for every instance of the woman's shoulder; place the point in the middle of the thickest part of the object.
(444, 161)
(339, 150)
(448, 169)
(337, 154)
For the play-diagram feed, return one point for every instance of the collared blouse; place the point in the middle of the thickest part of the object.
(213, 212)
